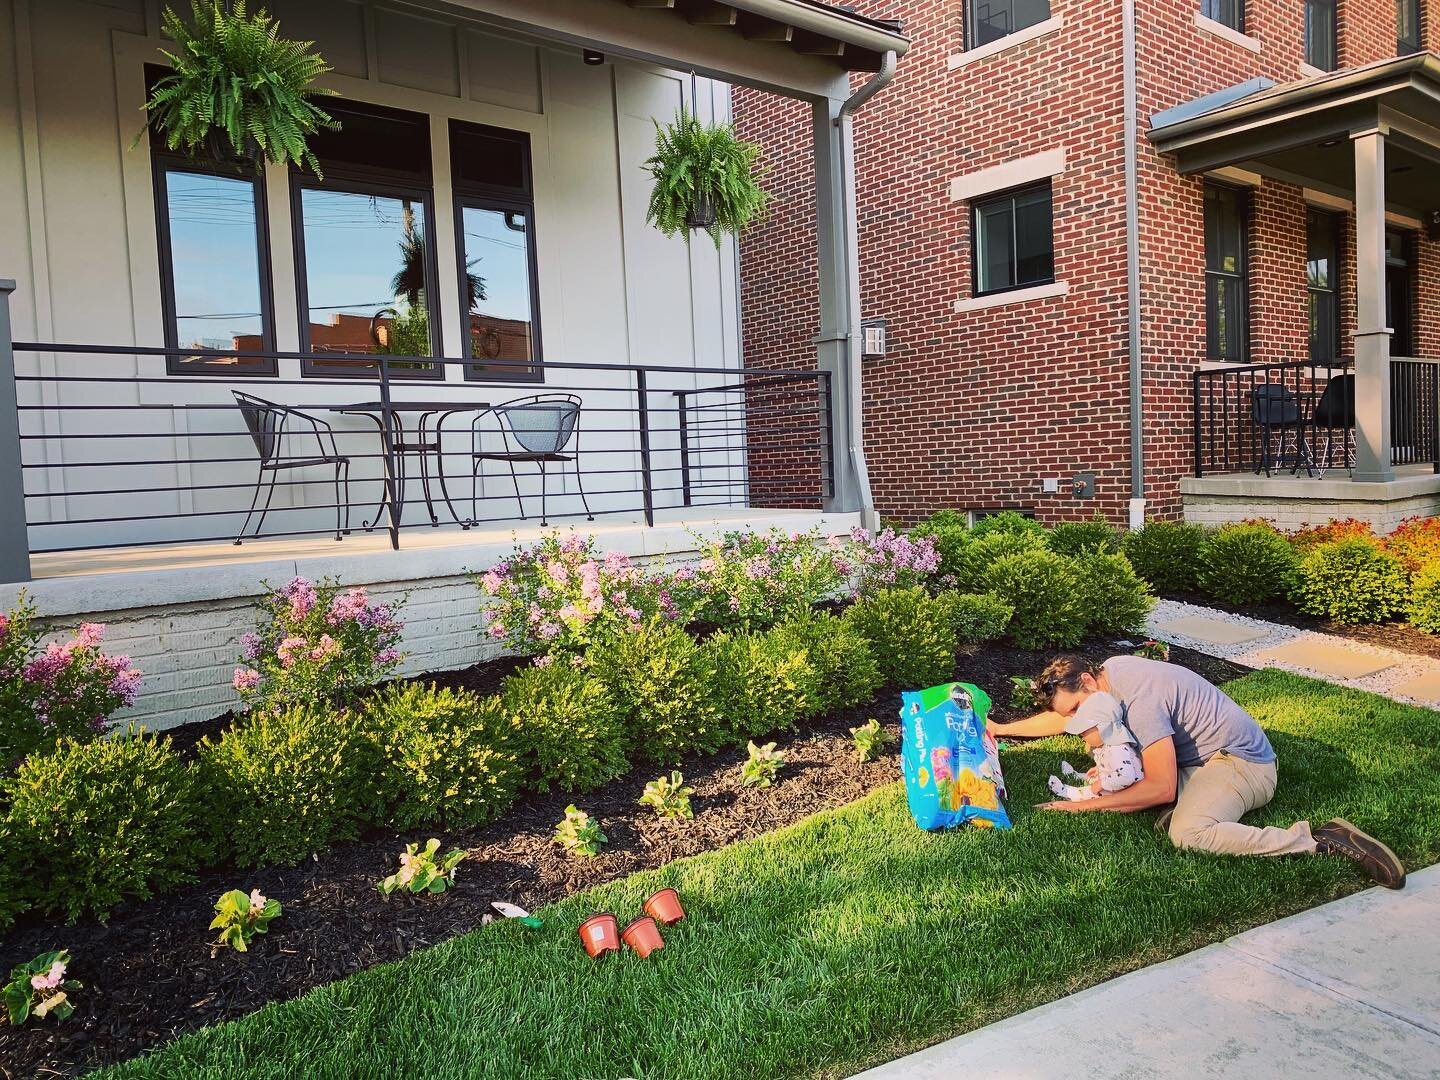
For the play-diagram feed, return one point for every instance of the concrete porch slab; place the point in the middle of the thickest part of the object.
(1334, 661)
(1215, 631)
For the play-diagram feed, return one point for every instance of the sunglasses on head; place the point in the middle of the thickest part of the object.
(1049, 686)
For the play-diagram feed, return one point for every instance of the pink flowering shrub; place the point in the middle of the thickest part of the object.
(754, 580)
(560, 597)
(320, 643)
(891, 560)
(65, 690)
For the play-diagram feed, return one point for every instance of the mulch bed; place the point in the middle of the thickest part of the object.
(1400, 636)
(149, 974)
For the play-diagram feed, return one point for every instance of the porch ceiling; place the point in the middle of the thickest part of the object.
(1300, 132)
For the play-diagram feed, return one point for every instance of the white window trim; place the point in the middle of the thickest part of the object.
(1011, 296)
(1009, 41)
(1220, 30)
(1232, 174)
(1008, 174)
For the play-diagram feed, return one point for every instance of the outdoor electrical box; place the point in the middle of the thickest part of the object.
(1084, 485)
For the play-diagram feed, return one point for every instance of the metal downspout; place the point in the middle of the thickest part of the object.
(855, 436)
(1132, 268)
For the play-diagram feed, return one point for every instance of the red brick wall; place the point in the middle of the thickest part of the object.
(973, 409)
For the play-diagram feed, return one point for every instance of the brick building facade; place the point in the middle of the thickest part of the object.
(982, 398)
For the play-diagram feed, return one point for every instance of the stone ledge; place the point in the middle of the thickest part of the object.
(1310, 488)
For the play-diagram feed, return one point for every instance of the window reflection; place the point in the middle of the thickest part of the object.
(498, 281)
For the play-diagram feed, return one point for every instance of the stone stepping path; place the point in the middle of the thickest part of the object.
(1259, 644)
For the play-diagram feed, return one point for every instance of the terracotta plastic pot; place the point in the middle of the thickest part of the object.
(665, 907)
(643, 936)
(600, 934)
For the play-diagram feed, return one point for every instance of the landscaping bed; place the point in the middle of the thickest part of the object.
(149, 974)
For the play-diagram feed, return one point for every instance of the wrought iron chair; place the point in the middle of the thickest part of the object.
(1275, 409)
(268, 424)
(1335, 411)
(536, 429)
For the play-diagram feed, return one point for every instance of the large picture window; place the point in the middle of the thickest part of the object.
(1226, 285)
(991, 20)
(1013, 240)
(365, 245)
(1320, 34)
(1231, 13)
(495, 218)
(1322, 270)
(1407, 27)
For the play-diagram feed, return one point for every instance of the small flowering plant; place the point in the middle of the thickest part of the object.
(1153, 650)
(578, 833)
(761, 766)
(870, 740)
(423, 871)
(892, 560)
(63, 690)
(669, 797)
(240, 916)
(319, 643)
(753, 580)
(39, 988)
(1023, 692)
(560, 597)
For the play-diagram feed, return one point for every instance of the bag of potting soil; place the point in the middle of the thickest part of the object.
(950, 759)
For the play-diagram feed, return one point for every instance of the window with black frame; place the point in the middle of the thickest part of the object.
(991, 20)
(1407, 27)
(1230, 13)
(495, 219)
(1320, 34)
(1226, 270)
(365, 244)
(1014, 243)
(1322, 273)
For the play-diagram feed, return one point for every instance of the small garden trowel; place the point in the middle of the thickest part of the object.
(511, 911)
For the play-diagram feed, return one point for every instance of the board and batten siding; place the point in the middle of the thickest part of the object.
(78, 234)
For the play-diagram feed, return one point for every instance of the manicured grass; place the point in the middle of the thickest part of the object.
(852, 937)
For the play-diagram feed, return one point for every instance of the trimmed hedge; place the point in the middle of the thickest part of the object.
(846, 673)
(1423, 610)
(567, 726)
(910, 634)
(1045, 591)
(1246, 565)
(1352, 581)
(1114, 598)
(1083, 537)
(976, 617)
(763, 683)
(1166, 554)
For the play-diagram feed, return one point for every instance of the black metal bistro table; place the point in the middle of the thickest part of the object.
(423, 441)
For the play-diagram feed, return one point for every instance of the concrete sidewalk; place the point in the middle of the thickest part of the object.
(1351, 988)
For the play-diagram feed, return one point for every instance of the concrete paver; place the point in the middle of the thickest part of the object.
(1327, 659)
(1215, 631)
(1424, 687)
(1346, 989)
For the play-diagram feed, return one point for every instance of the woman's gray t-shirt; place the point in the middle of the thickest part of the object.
(1165, 699)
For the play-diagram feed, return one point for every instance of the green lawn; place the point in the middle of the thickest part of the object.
(852, 937)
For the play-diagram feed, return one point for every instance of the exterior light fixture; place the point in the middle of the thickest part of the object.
(872, 338)
(593, 58)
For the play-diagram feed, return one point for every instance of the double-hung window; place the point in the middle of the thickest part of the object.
(991, 20)
(365, 243)
(1322, 269)
(1013, 240)
(1407, 27)
(1230, 13)
(1320, 34)
(1226, 273)
(495, 219)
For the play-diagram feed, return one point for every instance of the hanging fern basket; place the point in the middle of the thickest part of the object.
(705, 178)
(702, 212)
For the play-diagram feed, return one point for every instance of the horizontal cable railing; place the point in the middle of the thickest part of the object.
(1296, 416)
(116, 451)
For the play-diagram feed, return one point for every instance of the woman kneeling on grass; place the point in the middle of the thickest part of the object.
(1203, 753)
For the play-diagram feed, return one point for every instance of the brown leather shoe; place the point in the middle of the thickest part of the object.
(1339, 837)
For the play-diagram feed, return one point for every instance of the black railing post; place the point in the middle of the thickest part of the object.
(647, 491)
(680, 397)
(14, 536)
(827, 435)
(390, 461)
(1195, 416)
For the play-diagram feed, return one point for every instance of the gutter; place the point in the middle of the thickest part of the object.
(1132, 269)
(855, 436)
(828, 22)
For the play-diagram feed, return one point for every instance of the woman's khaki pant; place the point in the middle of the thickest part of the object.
(1214, 797)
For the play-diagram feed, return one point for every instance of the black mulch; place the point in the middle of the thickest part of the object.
(1400, 636)
(149, 974)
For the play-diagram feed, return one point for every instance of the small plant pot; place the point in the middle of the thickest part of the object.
(702, 214)
(665, 907)
(600, 934)
(643, 936)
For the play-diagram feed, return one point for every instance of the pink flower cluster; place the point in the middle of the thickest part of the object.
(889, 558)
(51, 980)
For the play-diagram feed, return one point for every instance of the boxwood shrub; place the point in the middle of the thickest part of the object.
(280, 785)
(446, 757)
(1423, 610)
(846, 673)
(92, 824)
(1166, 554)
(567, 726)
(910, 634)
(1114, 598)
(974, 560)
(1352, 581)
(1248, 564)
(763, 682)
(976, 617)
(1008, 521)
(1078, 537)
(1045, 591)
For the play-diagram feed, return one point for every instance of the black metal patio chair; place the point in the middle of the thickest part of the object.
(537, 429)
(1275, 411)
(269, 427)
(1335, 412)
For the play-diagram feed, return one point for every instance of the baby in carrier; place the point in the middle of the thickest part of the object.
(1100, 721)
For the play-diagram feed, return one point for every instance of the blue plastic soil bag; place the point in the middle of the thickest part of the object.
(950, 760)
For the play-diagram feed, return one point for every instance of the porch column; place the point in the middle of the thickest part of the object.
(839, 291)
(14, 538)
(1372, 335)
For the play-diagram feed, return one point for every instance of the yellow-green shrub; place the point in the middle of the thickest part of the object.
(567, 726)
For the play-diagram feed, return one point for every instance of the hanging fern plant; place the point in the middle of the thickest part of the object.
(238, 89)
(705, 178)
